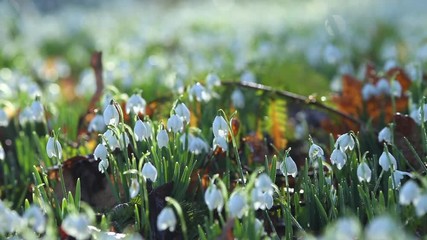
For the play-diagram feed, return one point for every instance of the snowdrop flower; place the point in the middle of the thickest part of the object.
(288, 167)
(10, 220)
(197, 146)
(408, 193)
(220, 127)
(384, 135)
(339, 158)
(247, 76)
(53, 148)
(397, 178)
(396, 88)
(345, 142)
(142, 130)
(115, 141)
(2, 153)
(261, 199)
(383, 227)
(264, 184)
(25, 116)
(111, 115)
(175, 124)
(213, 198)
(35, 218)
(237, 204)
(96, 124)
(386, 159)
(332, 54)
(3, 118)
(199, 92)
(259, 227)
(315, 152)
(100, 152)
(238, 99)
(368, 91)
(220, 142)
(420, 204)
(37, 111)
(212, 80)
(183, 112)
(136, 104)
(383, 86)
(103, 165)
(364, 172)
(149, 171)
(345, 228)
(134, 188)
(76, 225)
(166, 220)
(162, 138)
(414, 71)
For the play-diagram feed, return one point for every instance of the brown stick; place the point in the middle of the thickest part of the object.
(96, 64)
(293, 96)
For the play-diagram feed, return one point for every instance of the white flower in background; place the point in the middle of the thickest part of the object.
(149, 171)
(339, 158)
(166, 220)
(237, 204)
(103, 165)
(345, 142)
(212, 80)
(199, 92)
(183, 112)
(247, 76)
(383, 227)
(345, 228)
(315, 152)
(37, 111)
(10, 221)
(2, 153)
(100, 152)
(364, 172)
(396, 88)
(111, 115)
(35, 218)
(197, 145)
(134, 188)
(383, 86)
(389, 64)
(288, 167)
(175, 124)
(220, 127)
(397, 178)
(53, 148)
(386, 159)
(332, 54)
(238, 99)
(213, 198)
(408, 193)
(368, 91)
(4, 121)
(263, 183)
(220, 142)
(384, 135)
(96, 124)
(261, 199)
(420, 204)
(162, 138)
(136, 104)
(414, 71)
(76, 225)
(25, 116)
